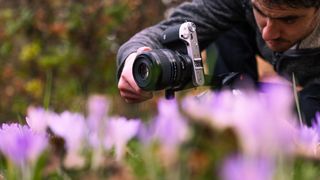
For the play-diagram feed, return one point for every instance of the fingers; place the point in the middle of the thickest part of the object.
(133, 97)
(129, 89)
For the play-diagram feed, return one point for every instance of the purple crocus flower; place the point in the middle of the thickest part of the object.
(263, 121)
(239, 168)
(144, 133)
(261, 130)
(316, 123)
(212, 108)
(279, 99)
(20, 144)
(98, 107)
(119, 131)
(262, 124)
(37, 118)
(316, 128)
(169, 126)
(307, 141)
(72, 128)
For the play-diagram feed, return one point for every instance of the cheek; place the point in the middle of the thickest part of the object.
(296, 32)
(301, 29)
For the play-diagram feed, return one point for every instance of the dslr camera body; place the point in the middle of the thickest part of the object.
(178, 66)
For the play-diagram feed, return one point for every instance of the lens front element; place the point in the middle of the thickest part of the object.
(143, 71)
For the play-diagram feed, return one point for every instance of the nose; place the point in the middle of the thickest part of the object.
(270, 31)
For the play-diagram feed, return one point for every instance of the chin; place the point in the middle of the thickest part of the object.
(278, 48)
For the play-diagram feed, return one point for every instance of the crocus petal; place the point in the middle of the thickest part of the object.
(37, 118)
(262, 125)
(98, 107)
(20, 144)
(307, 141)
(260, 128)
(71, 127)
(239, 168)
(170, 127)
(119, 131)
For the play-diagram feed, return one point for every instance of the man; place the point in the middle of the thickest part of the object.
(272, 28)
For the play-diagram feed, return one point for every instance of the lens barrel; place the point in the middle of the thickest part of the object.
(161, 69)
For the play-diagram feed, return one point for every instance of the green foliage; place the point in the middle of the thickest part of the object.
(305, 168)
(55, 53)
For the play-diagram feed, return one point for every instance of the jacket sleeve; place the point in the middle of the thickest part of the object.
(212, 17)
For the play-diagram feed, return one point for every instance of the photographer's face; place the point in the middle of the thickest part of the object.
(281, 26)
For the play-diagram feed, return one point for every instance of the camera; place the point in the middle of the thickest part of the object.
(175, 67)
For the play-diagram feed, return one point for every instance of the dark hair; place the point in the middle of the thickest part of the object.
(293, 3)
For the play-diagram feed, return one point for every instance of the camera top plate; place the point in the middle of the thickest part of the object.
(188, 34)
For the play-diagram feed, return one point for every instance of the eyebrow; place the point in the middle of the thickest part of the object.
(289, 17)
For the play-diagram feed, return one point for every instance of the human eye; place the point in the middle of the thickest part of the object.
(289, 20)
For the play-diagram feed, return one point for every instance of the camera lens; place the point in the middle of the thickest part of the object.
(160, 69)
(143, 71)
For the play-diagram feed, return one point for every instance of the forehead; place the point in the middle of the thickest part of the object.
(275, 10)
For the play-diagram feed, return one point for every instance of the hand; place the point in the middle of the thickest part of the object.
(129, 90)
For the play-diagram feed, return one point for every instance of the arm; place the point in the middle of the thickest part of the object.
(211, 17)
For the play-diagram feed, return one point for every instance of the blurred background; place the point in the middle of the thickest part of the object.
(55, 53)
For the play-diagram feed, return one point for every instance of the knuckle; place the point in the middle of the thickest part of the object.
(122, 94)
(121, 87)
